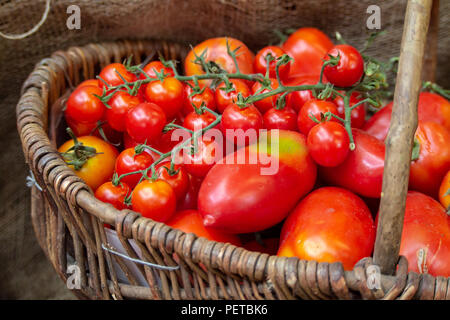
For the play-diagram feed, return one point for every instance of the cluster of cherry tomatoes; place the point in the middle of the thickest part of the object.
(325, 195)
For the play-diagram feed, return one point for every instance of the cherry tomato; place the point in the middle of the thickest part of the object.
(155, 200)
(89, 82)
(168, 94)
(285, 119)
(190, 221)
(349, 69)
(215, 50)
(260, 63)
(426, 236)
(83, 106)
(358, 115)
(241, 195)
(120, 103)
(307, 46)
(314, 108)
(128, 161)
(156, 66)
(199, 163)
(328, 143)
(329, 225)
(241, 125)
(195, 121)
(114, 195)
(224, 99)
(297, 99)
(362, 170)
(110, 75)
(269, 246)
(444, 191)
(206, 97)
(434, 158)
(269, 102)
(177, 178)
(97, 169)
(431, 107)
(145, 122)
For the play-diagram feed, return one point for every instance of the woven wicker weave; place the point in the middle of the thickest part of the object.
(68, 220)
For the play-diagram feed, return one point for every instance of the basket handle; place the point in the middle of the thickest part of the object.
(399, 142)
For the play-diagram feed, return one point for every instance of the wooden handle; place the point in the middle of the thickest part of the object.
(400, 138)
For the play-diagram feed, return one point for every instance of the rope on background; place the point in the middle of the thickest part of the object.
(31, 31)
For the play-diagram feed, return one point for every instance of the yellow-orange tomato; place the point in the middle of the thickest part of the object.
(216, 51)
(99, 168)
(444, 191)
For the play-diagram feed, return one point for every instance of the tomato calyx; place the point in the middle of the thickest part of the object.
(78, 154)
(416, 150)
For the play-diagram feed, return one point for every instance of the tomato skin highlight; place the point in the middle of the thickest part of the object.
(233, 191)
(349, 69)
(362, 170)
(83, 106)
(190, 221)
(145, 122)
(284, 119)
(329, 225)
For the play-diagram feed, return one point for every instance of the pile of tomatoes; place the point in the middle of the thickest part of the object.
(321, 201)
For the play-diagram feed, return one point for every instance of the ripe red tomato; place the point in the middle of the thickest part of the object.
(199, 163)
(241, 125)
(189, 201)
(110, 75)
(156, 66)
(362, 170)
(358, 115)
(177, 178)
(206, 97)
(224, 99)
(329, 225)
(260, 63)
(155, 200)
(307, 45)
(285, 119)
(83, 106)
(120, 103)
(89, 82)
(426, 236)
(195, 121)
(114, 195)
(255, 187)
(128, 161)
(297, 99)
(444, 191)
(97, 169)
(328, 143)
(190, 221)
(168, 94)
(314, 108)
(349, 69)
(145, 122)
(269, 102)
(434, 158)
(215, 50)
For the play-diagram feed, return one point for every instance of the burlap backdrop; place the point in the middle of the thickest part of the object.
(186, 21)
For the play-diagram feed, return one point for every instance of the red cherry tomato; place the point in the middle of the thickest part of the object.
(206, 97)
(328, 143)
(168, 94)
(285, 119)
(260, 63)
(307, 46)
(145, 122)
(297, 99)
(120, 103)
(349, 69)
(358, 115)
(114, 195)
(241, 125)
(329, 225)
(199, 163)
(195, 121)
(128, 161)
(444, 192)
(314, 108)
(110, 75)
(177, 178)
(224, 99)
(154, 199)
(269, 102)
(434, 158)
(156, 66)
(89, 82)
(83, 106)
(362, 169)
(190, 221)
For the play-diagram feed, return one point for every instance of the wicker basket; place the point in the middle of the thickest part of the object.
(68, 219)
